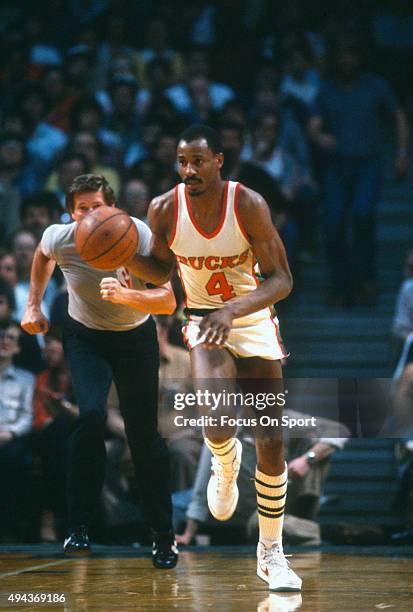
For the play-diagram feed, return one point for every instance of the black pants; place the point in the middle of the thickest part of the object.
(131, 359)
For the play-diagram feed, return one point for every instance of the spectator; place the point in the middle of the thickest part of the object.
(29, 357)
(53, 87)
(254, 177)
(123, 119)
(77, 67)
(23, 244)
(157, 49)
(8, 268)
(41, 53)
(402, 327)
(87, 144)
(145, 170)
(87, 115)
(233, 142)
(300, 82)
(13, 157)
(135, 198)
(15, 69)
(266, 94)
(32, 103)
(54, 411)
(157, 79)
(346, 126)
(189, 97)
(281, 149)
(111, 50)
(164, 155)
(16, 415)
(68, 167)
(39, 211)
(9, 211)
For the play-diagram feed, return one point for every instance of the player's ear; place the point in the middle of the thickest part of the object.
(220, 159)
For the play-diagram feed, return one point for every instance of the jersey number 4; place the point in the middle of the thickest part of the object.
(218, 285)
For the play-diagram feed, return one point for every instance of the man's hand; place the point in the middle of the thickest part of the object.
(297, 468)
(111, 290)
(215, 327)
(34, 321)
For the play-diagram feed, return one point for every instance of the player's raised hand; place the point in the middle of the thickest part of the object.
(111, 290)
(215, 327)
(34, 321)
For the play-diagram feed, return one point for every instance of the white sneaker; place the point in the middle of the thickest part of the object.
(222, 489)
(273, 568)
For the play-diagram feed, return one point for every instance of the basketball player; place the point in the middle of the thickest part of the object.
(216, 231)
(105, 340)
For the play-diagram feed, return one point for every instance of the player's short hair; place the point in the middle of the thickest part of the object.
(198, 131)
(89, 183)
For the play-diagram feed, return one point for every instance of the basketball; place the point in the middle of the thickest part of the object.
(106, 238)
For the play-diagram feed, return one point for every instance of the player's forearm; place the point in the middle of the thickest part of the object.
(271, 291)
(149, 269)
(153, 301)
(42, 270)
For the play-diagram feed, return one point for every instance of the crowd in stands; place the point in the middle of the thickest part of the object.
(106, 86)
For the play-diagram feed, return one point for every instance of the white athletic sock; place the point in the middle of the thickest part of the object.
(224, 452)
(271, 496)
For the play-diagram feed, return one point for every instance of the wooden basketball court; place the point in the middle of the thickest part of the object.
(218, 579)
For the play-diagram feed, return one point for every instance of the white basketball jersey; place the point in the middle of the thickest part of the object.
(217, 266)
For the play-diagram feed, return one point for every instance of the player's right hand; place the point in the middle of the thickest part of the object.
(34, 321)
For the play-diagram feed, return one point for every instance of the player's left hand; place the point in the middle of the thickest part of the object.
(215, 327)
(111, 290)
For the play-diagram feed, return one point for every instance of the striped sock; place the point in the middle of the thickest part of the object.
(224, 452)
(271, 496)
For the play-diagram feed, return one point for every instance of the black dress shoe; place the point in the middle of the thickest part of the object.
(77, 543)
(164, 550)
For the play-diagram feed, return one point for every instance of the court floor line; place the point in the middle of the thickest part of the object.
(34, 567)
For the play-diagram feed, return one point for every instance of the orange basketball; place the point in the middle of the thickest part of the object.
(106, 238)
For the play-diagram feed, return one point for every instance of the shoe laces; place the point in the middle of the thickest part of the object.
(225, 474)
(275, 558)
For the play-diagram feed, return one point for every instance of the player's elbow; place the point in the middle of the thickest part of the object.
(170, 307)
(286, 285)
(289, 283)
(169, 304)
